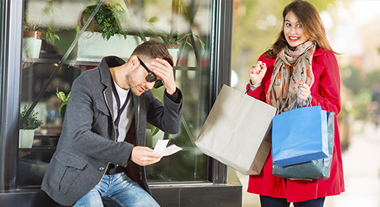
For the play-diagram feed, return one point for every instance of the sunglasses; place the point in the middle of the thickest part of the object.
(151, 77)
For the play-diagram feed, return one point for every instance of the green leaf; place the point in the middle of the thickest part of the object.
(153, 20)
(202, 44)
(61, 95)
(154, 130)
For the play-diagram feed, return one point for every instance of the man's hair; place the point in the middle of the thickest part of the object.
(153, 49)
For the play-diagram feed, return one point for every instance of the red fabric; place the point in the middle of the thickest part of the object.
(326, 93)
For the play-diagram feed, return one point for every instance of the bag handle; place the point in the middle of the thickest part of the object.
(307, 101)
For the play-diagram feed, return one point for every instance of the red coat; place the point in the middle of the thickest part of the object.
(325, 93)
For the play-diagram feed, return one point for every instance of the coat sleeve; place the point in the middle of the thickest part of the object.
(328, 96)
(167, 116)
(259, 92)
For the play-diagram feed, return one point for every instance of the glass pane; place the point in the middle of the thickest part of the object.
(49, 30)
(57, 52)
(192, 73)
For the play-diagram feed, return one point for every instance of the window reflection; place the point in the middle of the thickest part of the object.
(58, 24)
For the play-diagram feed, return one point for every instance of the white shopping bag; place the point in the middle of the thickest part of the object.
(237, 131)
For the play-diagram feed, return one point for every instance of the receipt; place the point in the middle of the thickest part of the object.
(166, 151)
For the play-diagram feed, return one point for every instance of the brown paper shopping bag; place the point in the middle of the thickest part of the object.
(237, 131)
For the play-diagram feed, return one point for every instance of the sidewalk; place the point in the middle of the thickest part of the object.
(361, 164)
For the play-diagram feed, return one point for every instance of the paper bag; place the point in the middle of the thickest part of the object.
(236, 131)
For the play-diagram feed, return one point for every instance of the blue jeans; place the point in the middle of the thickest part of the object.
(267, 201)
(116, 190)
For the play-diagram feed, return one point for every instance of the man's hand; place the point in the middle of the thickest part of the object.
(164, 70)
(144, 156)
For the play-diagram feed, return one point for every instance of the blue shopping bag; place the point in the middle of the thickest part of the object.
(315, 169)
(299, 135)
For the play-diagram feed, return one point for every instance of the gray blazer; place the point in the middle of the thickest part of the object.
(88, 140)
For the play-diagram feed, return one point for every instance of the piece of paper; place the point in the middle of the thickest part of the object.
(160, 145)
(166, 151)
(171, 150)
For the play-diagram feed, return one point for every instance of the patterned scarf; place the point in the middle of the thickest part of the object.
(284, 85)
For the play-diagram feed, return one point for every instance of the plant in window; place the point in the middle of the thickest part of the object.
(61, 95)
(46, 32)
(27, 129)
(34, 32)
(32, 122)
(173, 37)
(105, 20)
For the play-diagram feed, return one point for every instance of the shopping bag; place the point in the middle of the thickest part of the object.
(299, 135)
(236, 131)
(315, 169)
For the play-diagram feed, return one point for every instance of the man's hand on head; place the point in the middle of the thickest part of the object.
(164, 70)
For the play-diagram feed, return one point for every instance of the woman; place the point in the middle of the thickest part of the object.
(301, 56)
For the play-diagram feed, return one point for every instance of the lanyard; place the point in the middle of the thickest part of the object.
(119, 110)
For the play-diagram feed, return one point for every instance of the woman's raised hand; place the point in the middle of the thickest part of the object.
(256, 72)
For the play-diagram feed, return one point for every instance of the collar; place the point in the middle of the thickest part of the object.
(104, 67)
(318, 51)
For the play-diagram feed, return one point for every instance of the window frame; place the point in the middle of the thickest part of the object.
(10, 69)
(10, 72)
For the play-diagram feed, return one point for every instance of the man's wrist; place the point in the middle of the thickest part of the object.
(176, 97)
(171, 91)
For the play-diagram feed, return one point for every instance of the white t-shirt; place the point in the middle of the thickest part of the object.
(126, 116)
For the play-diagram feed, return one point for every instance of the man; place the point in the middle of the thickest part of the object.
(101, 147)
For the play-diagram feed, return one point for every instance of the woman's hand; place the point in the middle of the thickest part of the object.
(256, 72)
(305, 93)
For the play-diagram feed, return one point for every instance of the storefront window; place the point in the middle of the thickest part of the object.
(58, 50)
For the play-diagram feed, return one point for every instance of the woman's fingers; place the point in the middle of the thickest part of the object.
(304, 93)
(256, 72)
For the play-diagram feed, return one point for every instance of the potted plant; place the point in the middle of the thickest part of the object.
(173, 39)
(61, 95)
(31, 42)
(33, 33)
(104, 35)
(28, 128)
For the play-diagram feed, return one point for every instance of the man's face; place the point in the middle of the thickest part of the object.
(136, 79)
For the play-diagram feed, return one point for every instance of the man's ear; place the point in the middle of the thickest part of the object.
(133, 61)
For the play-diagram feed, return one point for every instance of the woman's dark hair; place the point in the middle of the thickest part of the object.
(309, 17)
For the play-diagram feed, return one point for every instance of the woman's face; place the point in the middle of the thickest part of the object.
(294, 32)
